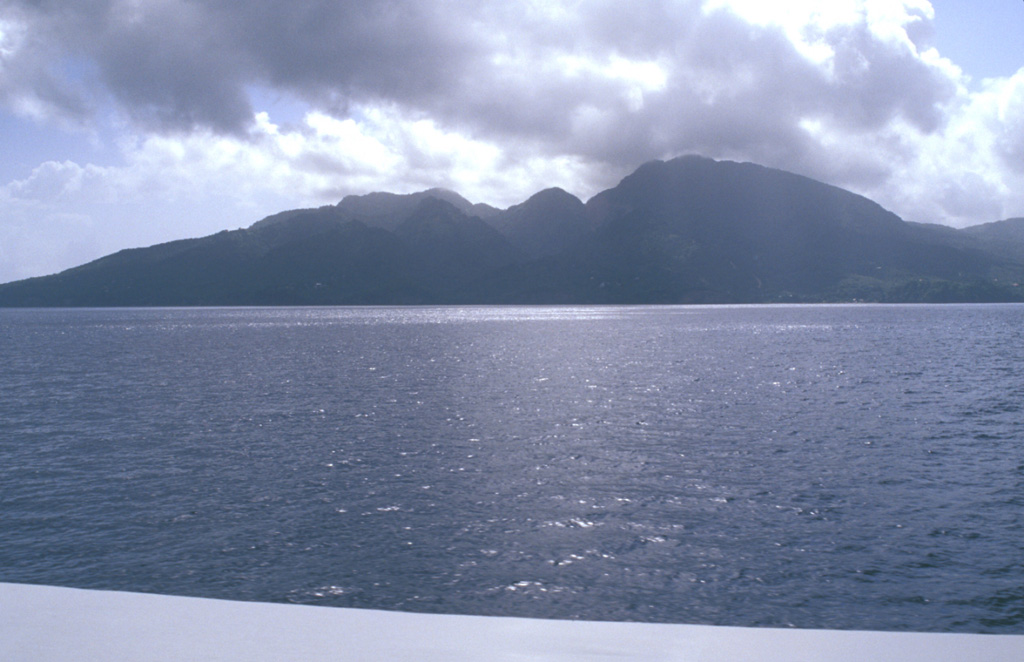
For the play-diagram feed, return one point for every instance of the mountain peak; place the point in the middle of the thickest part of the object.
(389, 210)
(547, 223)
(686, 230)
(553, 194)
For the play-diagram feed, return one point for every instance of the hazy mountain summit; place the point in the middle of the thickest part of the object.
(383, 210)
(693, 229)
(688, 230)
(546, 224)
(1002, 237)
(388, 210)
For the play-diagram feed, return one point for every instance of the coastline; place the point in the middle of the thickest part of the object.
(56, 624)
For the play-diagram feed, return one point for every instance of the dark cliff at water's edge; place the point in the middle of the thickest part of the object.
(689, 230)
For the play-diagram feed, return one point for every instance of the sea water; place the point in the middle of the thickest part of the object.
(854, 467)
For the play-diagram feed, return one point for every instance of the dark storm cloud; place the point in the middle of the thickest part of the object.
(171, 67)
(30, 80)
(175, 64)
(394, 50)
(538, 74)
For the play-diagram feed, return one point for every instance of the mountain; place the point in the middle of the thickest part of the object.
(308, 261)
(1004, 238)
(693, 229)
(688, 230)
(453, 251)
(386, 210)
(546, 224)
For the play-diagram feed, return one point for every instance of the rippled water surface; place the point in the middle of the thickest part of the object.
(827, 466)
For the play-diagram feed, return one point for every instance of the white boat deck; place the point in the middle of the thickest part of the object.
(51, 624)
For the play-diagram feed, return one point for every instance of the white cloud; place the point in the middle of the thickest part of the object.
(974, 169)
(10, 33)
(807, 22)
(177, 186)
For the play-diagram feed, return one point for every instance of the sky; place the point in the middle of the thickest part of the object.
(126, 123)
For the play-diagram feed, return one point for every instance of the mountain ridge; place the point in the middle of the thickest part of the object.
(686, 230)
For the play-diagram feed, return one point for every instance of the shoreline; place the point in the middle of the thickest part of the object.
(55, 624)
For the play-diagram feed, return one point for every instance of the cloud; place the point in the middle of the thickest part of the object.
(28, 83)
(528, 70)
(184, 185)
(973, 169)
(494, 99)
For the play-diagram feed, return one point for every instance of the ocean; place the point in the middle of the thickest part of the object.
(850, 467)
